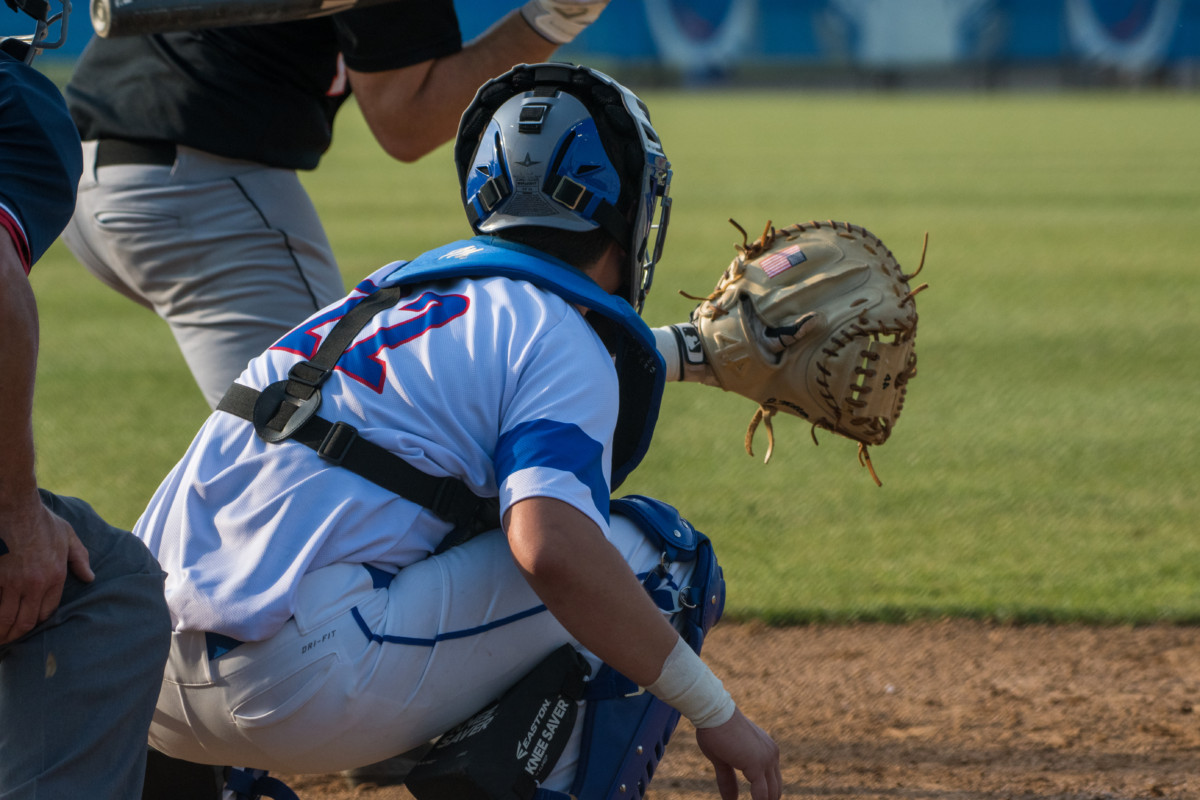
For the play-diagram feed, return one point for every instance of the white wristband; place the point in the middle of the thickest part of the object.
(680, 348)
(668, 347)
(560, 21)
(688, 685)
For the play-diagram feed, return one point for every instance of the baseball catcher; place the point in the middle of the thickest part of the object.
(330, 605)
(816, 319)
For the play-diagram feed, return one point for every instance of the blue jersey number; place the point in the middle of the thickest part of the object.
(362, 360)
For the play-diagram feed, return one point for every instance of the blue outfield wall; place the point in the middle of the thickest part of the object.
(1138, 35)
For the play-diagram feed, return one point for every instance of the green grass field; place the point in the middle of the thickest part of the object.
(1045, 466)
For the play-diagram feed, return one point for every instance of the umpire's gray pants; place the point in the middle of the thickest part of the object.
(230, 253)
(78, 691)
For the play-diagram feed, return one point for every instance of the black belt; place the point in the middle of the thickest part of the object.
(111, 152)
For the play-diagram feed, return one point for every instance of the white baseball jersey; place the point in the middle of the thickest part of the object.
(493, 381)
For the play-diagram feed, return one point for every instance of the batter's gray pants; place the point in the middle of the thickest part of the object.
(230, 253)
(78, 691)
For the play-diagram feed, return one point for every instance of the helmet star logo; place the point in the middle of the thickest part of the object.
(528, 162)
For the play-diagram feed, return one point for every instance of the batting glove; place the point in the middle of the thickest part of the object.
(560, 21)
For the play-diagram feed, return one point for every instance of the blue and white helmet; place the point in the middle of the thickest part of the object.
(567, 147)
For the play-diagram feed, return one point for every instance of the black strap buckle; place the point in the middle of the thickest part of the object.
(570, 193)
(306, 378)
(532, 117)
(493, 191)
(277, 414)
(337, 442)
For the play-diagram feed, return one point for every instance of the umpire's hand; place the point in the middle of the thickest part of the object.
(37, 547)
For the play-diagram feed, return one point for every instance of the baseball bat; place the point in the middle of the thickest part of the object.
(137, 17)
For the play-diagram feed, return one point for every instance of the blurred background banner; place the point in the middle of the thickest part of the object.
(716, 39)
(1138, 40)
(699, 34)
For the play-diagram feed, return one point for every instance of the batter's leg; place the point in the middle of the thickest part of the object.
(231, 254)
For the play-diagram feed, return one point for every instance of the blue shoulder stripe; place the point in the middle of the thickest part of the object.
(555, 445)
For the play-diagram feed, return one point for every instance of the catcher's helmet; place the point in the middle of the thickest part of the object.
(567, 147)
(24, 48)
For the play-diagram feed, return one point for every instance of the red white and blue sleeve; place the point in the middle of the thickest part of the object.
(12, 226)
(40, 159)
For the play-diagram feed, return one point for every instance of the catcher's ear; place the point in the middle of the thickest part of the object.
(609, 270)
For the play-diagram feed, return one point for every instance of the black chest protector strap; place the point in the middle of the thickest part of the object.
(287, 410)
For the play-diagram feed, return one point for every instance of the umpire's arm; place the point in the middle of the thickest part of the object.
(35, 545)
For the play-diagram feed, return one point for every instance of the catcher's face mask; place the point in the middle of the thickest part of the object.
(544, 158)
(24, 48)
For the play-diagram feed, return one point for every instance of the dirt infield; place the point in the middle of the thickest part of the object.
(947, 711)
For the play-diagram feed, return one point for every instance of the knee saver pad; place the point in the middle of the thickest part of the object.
(625, 729)
(506, 750)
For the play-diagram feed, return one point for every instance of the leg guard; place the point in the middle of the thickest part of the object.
(626, 729)
(508, 748)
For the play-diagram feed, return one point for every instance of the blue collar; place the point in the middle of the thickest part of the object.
(640, 368)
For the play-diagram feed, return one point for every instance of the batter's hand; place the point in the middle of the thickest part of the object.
(38, 547)
(560, 21)
(741, 746)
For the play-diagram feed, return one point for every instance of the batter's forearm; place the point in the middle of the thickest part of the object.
(412, 111)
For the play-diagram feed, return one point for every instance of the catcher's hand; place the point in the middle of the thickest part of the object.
(818, 320)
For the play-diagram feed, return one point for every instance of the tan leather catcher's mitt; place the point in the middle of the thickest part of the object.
(817, 320)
